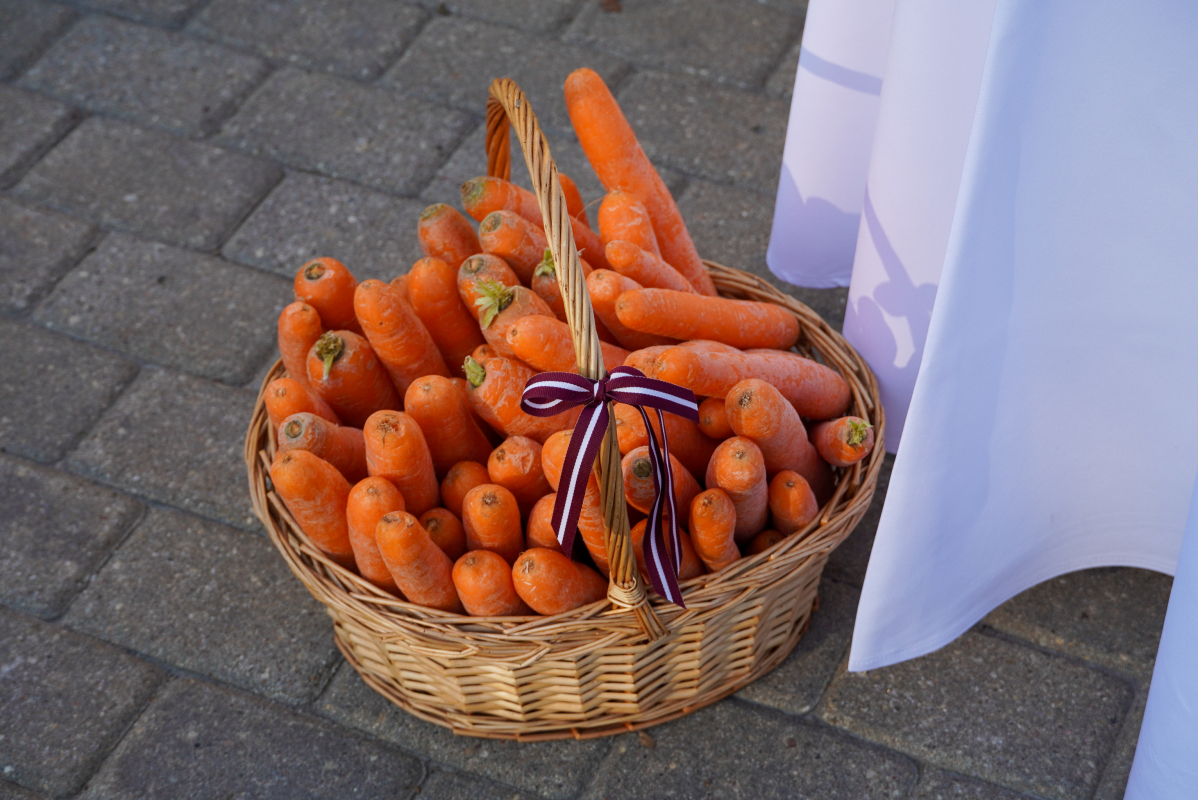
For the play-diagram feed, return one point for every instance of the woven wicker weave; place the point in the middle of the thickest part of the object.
(624, 663)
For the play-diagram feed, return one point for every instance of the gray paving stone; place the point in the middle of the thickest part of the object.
(796, 685)
(548, 769)
(734, 750)
(1111, 616)
(536, 16)
(937, 784)
(442, 785)
(992, 709)
(9, 791)
(211, 600)
(67, 699)
(1118, 767)
(355, 38)
(147, 75)
(57, 530)
(346, 130)
(731, 41)
(144, 181)
(178, 440)
(169, 306)
(781, 82)
(373, 234)
(37, 247)
(171, 13)
(26, 28)
(712, 132)
(201, 742)
(30, 125)
(848, 562)
(454, 61)
(54, 391)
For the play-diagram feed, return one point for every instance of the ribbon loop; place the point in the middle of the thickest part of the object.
(552, 393)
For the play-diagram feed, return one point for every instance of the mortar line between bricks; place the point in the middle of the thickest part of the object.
(87, 10)
(236, 226)
(994, 633)
(51, 39)
(781, 59)
(424, 23)
(229, 109)
(93, 243)
(76, 117)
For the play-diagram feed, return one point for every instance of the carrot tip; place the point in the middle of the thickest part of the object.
(328, 349)
(490, 222)
(313, 270)
(642, 468)
(858, 430)
(433, 210)
(546, 267)
(472, 190)
(476, 373)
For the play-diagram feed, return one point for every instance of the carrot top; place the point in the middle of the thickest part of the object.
(493, 298)
(329, 348)
(476, 373)
(858, 430)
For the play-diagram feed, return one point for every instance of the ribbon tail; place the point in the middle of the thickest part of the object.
(576, 470)
(662, 562)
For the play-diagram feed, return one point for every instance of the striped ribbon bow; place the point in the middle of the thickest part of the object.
(551, 393)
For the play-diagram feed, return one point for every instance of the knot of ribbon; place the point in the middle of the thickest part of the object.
(551, 393)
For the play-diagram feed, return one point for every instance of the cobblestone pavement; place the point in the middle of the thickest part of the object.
(165, 165)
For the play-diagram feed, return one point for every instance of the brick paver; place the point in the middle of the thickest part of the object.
(37, 247)
(26, 28)
(169, 13)
(442, 785)
(146, 75)
(173, 307)
(537, 16)
(781, 82)
(941, 785)
(10, 791)
(57, 530)
(29, 126)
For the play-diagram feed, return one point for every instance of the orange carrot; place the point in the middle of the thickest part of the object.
(400, 286)
(397, 335)
(816, 391)
(369, 501)
(691, 567)
(503, 305)
(341, 446)
(544, 344)
(516, 466)
(327, 286)
(396, 450)
(445, 530)
(316, 494)
(552, 584)
(590, 516)
(574, 205)
(792, 503)
(843, 442)
(287, 396)
(639, 489)
(690, 446)
(618, 160)
(433, 290)
(299, 328)
(461, 478)
(491, 517)
(495, 392)
(540, 524)
(713, 419)
(553, 456)
(514, 239)
(759, 411)
(644, 267)
(645, 359)
(463, 388)
(544, 283)
(421, 570)
(449, 428)
(622, 217)
(738, 468)
(482, 354)
(486, 194)
(713, 529)
(484, 583)
(763, 541)
(482, 267)
(684, 315)
(605, 288)
(346, 373)
(445, 234)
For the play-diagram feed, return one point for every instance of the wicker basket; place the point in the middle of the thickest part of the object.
(627, 662)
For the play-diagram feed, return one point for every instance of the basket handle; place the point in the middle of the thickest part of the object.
(507, 103)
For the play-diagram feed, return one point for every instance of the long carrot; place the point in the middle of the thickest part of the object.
(397, 335)
(713, 528)
(369, 501)
(486, 194)
(645, 268)
(421, 570)
(763, 541)
(449, 428)
(690, 446)
(691, 566)
(713, 419)
(461, 478)
(495, 391)
(502, 306)
(516, 466)
(491, 517)
(433, 293)
(738, 468)
(516, 240)
(327, 286)
(640, 491)
(287, 396)
(341, 446)
(843, 442)
(396, 450)
(446, 531)
(622, 217)
(552, 584)
(544, 283)
(605, 287)
(399, 285)
(299, 328)
(590, 516)
(645, 359)
(479, 268)
(316, 494)
(575, 207)
(346, 373)
(540, 531)
(544, 344)
(684, 315)
(759, 411)
(484, 583)
(618, 160)
(445, 234)
(816, 391)
(792, 503)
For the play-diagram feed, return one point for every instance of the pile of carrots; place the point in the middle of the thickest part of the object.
(403, 452)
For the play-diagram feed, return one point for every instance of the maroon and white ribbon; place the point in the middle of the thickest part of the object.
(552, 393)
